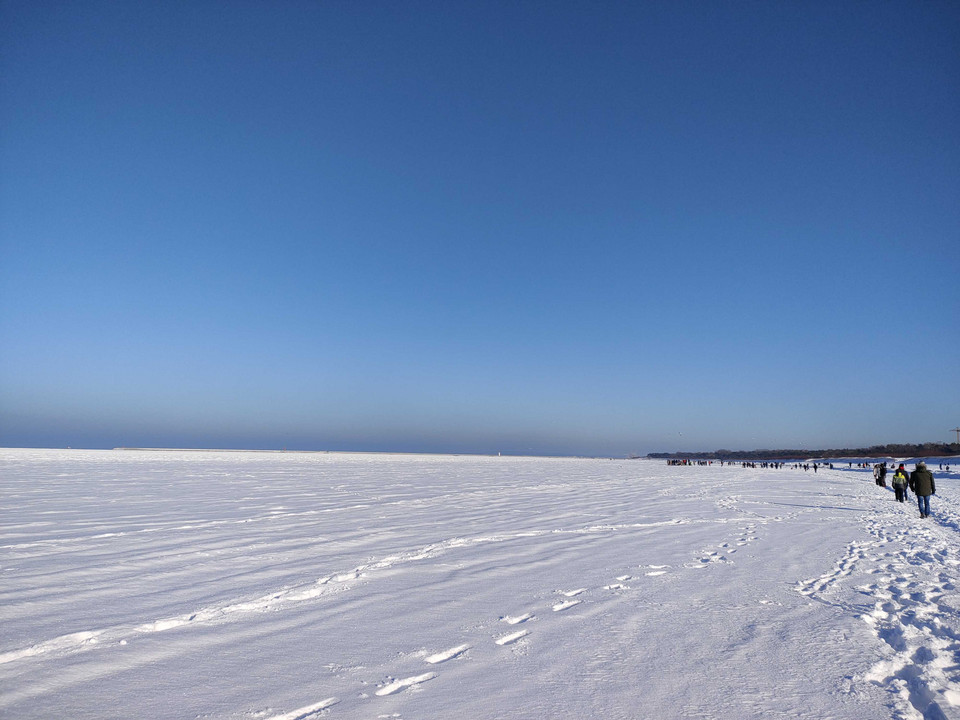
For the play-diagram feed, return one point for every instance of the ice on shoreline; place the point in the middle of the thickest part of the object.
(294, 586)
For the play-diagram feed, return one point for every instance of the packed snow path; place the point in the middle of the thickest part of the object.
(301, 586)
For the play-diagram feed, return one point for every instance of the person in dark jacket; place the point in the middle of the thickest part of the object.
(921, 482)
(899, 483)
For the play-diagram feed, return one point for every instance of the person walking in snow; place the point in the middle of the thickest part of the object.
(921, 482)
(899, 483)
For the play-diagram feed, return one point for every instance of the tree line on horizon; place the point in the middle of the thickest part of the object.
(894, 450)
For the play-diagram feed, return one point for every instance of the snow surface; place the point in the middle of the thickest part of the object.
(299, 586)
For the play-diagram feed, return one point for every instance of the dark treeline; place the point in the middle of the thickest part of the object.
(897, 450)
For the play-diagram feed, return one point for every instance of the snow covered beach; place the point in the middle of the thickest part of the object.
(297, 586)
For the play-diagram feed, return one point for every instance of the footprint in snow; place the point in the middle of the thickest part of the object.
(450, 654)
(308, 712)
(566, 605)
(398, 685)
(517, 620)
(512, 637)
(707, 559)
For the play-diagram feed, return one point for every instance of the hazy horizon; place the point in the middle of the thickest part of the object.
(497, 453)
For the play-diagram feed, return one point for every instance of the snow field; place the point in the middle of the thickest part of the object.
(300, 586)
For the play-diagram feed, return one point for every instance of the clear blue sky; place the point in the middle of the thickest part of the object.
(541, 227)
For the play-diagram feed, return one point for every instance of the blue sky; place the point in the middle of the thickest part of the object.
(537, 227)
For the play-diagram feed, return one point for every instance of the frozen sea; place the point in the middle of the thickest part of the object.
(286, 586)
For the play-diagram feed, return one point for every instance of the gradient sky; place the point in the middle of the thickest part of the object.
(537, 227)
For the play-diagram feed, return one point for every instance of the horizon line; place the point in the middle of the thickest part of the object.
(282, 451)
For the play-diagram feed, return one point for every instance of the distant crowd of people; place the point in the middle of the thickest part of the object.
(745, 464)
(920, 481)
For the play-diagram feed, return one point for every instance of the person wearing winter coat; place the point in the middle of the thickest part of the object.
(921, 482)
(899, 483)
